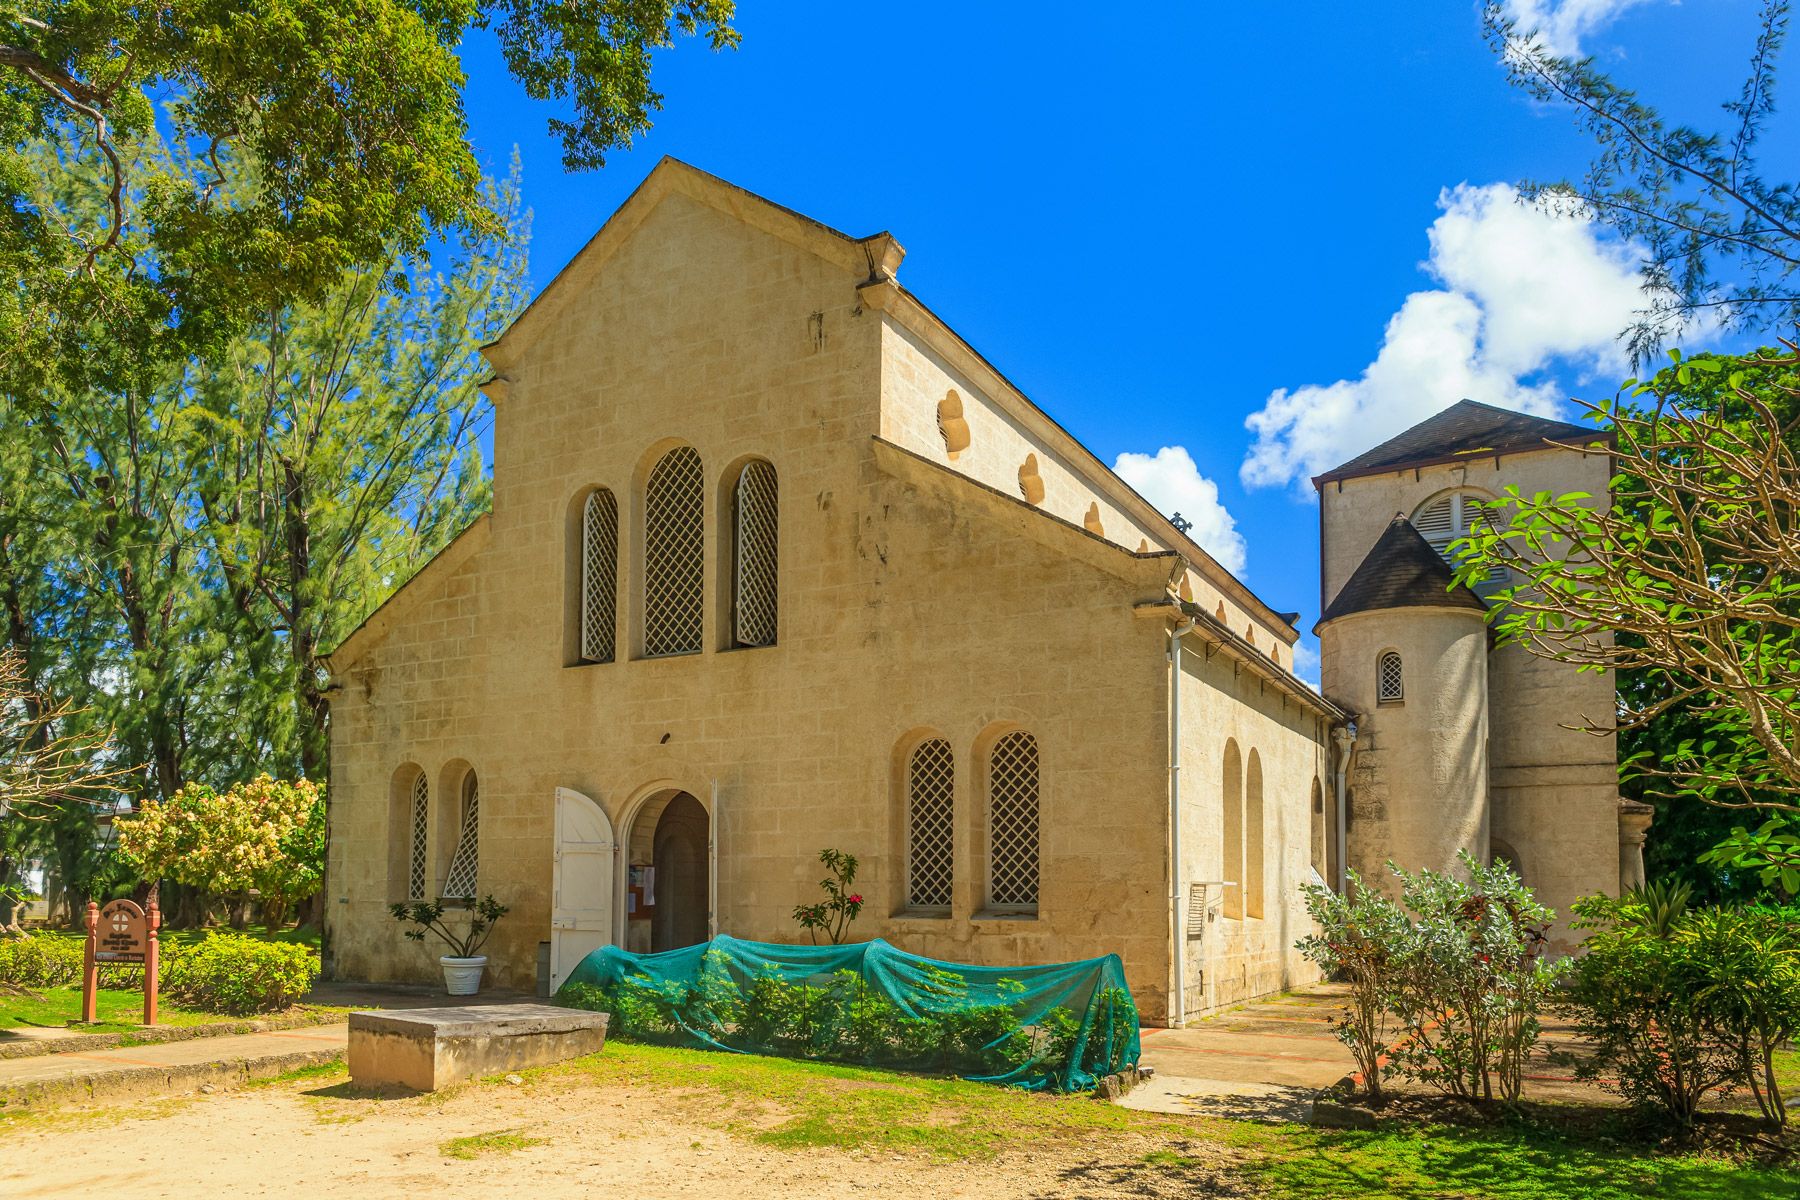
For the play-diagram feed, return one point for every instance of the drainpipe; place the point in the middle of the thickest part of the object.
(1345, 737)
(1178, 996)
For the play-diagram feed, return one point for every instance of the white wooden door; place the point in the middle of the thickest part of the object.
(582, 903)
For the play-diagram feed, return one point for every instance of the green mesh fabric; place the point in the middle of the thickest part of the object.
(1055, 1028)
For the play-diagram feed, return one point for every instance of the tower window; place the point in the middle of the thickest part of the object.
(1389, 679)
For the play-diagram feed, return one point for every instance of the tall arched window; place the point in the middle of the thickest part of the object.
(419, 804)
(756, 537)
(930, 827)
(1390, 678)
(1232, 868)
(1316, 819)
(674, 554)
(599, 576)
(465, 864)
(1443, 519)
(1254, 884)
(1013, 824)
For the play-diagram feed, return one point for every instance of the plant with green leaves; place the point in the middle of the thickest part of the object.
(349, 114)
(433, 917)
(1361, 940)
(833, 915)
(239, 975)
(1689, 578)
(1471, 978)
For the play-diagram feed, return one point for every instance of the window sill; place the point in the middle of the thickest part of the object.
(926, 916)
(589, 662)
(1001, 915)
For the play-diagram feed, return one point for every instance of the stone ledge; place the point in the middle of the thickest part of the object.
(146, 1082)
(81, 1043)
(430, 1048)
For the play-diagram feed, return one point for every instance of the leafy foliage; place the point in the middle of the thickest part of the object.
(431, 916)
(236, 974)
(1688, 583)
(347, 116)
(1455, 964)
(832, 916)
(1682, 1003)
(234, 842)
(1723, 238)
(40, 962)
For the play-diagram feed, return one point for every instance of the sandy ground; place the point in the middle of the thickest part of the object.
(310, 1139)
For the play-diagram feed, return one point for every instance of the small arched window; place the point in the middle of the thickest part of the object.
(1390, 679)
(1232, 840)
(1031, 484)
(599, 576)
(930, 827)
(756, 535)
(465, 864)
(419, 819)
(951, 425)
(1013, 824)
(1255, 886)
(674, 554)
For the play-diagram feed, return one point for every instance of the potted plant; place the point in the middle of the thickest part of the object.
(465, 962)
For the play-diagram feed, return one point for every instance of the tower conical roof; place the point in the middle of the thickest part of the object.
(1401, 571)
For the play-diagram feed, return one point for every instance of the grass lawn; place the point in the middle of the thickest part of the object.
(798, 1105)
(119, 1011)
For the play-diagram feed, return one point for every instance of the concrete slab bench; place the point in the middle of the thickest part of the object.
(429, 1048)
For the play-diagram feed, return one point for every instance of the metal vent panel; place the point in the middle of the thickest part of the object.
(599, 576)
(755, 590)
(1013, 822)
(674, 554)
(931, 826)
(417, 864)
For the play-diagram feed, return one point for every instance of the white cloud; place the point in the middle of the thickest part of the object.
(1524, 292)
(1561, 25)
(1169, 480)
(1306, 663)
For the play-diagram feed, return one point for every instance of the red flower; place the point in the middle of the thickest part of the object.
(856, 899)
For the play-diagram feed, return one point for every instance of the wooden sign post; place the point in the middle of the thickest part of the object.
(120, 933)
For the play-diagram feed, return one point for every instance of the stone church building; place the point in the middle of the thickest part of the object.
(777, 562)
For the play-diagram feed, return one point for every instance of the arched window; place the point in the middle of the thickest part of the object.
(1316, 819)
(674, 554)
(1254, 889)
(951, 425)
(1013, 824)
(1390, 679)
(930, 827)
(1232, 868)
(756, 534)
(419, 803)
(1444, 519)
(460, 880)
(599, 576)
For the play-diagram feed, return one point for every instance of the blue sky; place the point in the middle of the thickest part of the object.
(1162, 228)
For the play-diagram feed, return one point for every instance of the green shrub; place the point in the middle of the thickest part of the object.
(1682, 1003)
(239, 975)
(37, 961)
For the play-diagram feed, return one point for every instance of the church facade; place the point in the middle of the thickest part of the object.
(779, 563)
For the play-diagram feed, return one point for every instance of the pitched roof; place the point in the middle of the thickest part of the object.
(1465, 429)
(1401, 571)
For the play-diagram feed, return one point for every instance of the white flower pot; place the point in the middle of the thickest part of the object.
(462, 976)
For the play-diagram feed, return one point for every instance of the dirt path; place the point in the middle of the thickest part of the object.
(314, 1139)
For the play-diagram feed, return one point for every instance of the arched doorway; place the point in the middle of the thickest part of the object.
(668, 885)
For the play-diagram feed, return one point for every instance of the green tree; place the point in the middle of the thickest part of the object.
(1723, 237)
(343, 118)
(1687, 583)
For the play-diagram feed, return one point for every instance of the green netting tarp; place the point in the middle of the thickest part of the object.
(1057, 1027)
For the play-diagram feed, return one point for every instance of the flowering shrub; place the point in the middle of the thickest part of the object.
(232, 973)
(832, 916)
(1685, 1003)
(264, 837)
(1455, 967)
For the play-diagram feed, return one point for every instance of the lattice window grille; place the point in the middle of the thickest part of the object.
(674, 554)
(1013, 822)
(421, 823)
(1390, 682)
(1455, 516)
(459, 883)
(931, 828)
(599, 576)
(754, 573)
